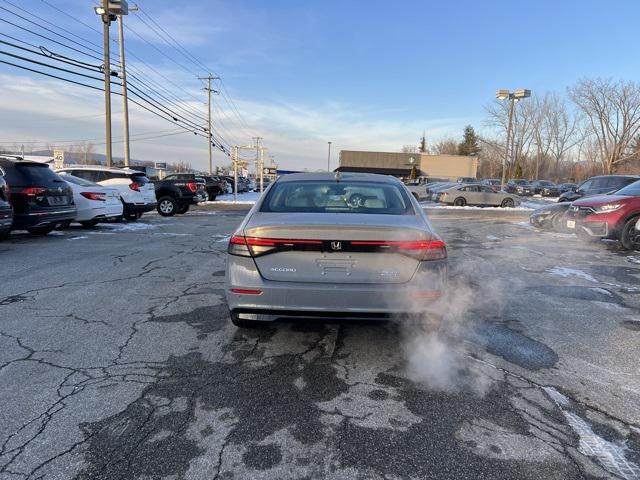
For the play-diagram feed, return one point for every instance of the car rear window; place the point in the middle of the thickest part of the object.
(76, 180)
(30, 173)
(337, 197)
(140, 178)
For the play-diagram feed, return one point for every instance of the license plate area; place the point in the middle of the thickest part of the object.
(56, 201)
(571, 224)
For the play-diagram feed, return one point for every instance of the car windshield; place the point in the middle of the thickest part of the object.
(630, 190)
(337, 197)
(76, 180)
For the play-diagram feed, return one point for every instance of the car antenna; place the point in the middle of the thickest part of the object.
(338, 177)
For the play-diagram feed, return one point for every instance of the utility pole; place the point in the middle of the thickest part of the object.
(257, 140)
(123, 80)
(106, 22)
(329, 158)
(234, 161)
(208, 88)
(261, 169)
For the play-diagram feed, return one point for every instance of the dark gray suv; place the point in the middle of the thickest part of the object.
(600, 185)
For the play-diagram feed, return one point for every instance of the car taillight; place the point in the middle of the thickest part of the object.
(135, 186)
(255, 246)
(94, 196)
(33, 191)
(423, 250)
(192, 186)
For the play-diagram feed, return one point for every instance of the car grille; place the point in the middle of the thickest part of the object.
(581, 212)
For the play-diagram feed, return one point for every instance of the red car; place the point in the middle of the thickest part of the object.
(614, 216)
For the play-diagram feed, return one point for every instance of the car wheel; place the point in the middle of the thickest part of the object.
(89, 223)
(460, 202)
(167, 206)
(242, 323)
(41, 230)
(508, 203)
(184, 208)
(630, 237)
(556, 222)
(560, 200)
(212, 198)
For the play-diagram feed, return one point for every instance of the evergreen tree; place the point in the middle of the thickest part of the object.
(423, 143)
(470, 144)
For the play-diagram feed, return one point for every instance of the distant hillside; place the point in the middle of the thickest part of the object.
(93, 159)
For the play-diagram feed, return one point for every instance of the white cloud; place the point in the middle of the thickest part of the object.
(296, 135)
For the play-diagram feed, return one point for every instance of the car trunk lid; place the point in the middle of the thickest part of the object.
(336, 248)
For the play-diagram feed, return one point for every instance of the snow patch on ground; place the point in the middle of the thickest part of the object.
(128, 227)
(82, 237)
(610, 455)
(493, 238)
(601, 290)
(567, 272)
(221, 238)
(632, 259)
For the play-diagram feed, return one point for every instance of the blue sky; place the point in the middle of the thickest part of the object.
(365, 74)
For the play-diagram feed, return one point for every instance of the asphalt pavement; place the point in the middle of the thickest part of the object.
(118, 361)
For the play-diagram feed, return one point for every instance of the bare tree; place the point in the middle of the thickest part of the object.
(446, 146)
(409, 149)
(612, 112)
(561, 128)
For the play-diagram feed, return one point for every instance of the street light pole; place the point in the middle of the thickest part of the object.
(106, 21)
(506, 151)
(123, 80)
(329, 158)
(513, 97)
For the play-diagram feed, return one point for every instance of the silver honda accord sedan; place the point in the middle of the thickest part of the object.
(325, 245)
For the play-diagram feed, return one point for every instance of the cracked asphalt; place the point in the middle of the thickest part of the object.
(118, 361)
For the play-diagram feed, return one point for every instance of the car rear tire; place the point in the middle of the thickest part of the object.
(167, 206)
(182, 209)
(508, 203)
(41, 230)
(89, 223)
(460, 202)
(629, 236)
(212, 198)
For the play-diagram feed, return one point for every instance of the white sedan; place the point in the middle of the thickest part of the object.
(94, 202)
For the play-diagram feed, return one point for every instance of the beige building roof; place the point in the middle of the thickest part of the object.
(399, 163)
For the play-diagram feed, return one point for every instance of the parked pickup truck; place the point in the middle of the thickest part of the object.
(176, 193)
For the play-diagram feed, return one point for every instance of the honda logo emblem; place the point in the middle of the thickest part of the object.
(336, 246)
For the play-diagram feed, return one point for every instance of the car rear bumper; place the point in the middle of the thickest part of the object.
(41, 218)
(343, 300)
(138, 207)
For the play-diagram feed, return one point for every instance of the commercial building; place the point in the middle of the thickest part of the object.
(399, 164)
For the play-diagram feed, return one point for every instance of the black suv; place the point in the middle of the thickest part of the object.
(599, 186)
(6, 211)
(177, 192)
(214, 186)
(41, 200)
